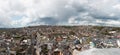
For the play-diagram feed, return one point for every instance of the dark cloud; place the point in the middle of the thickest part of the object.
(46, 21)
(49, 20)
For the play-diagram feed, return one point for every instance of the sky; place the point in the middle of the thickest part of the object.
(21, 13)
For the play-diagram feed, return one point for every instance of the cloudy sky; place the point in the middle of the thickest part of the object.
(20, 13)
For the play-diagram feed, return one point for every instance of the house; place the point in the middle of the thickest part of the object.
(1, 41)
(58, 39)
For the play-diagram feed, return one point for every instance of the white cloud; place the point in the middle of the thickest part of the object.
(117, 6)
(112, 22)
(71, 12)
